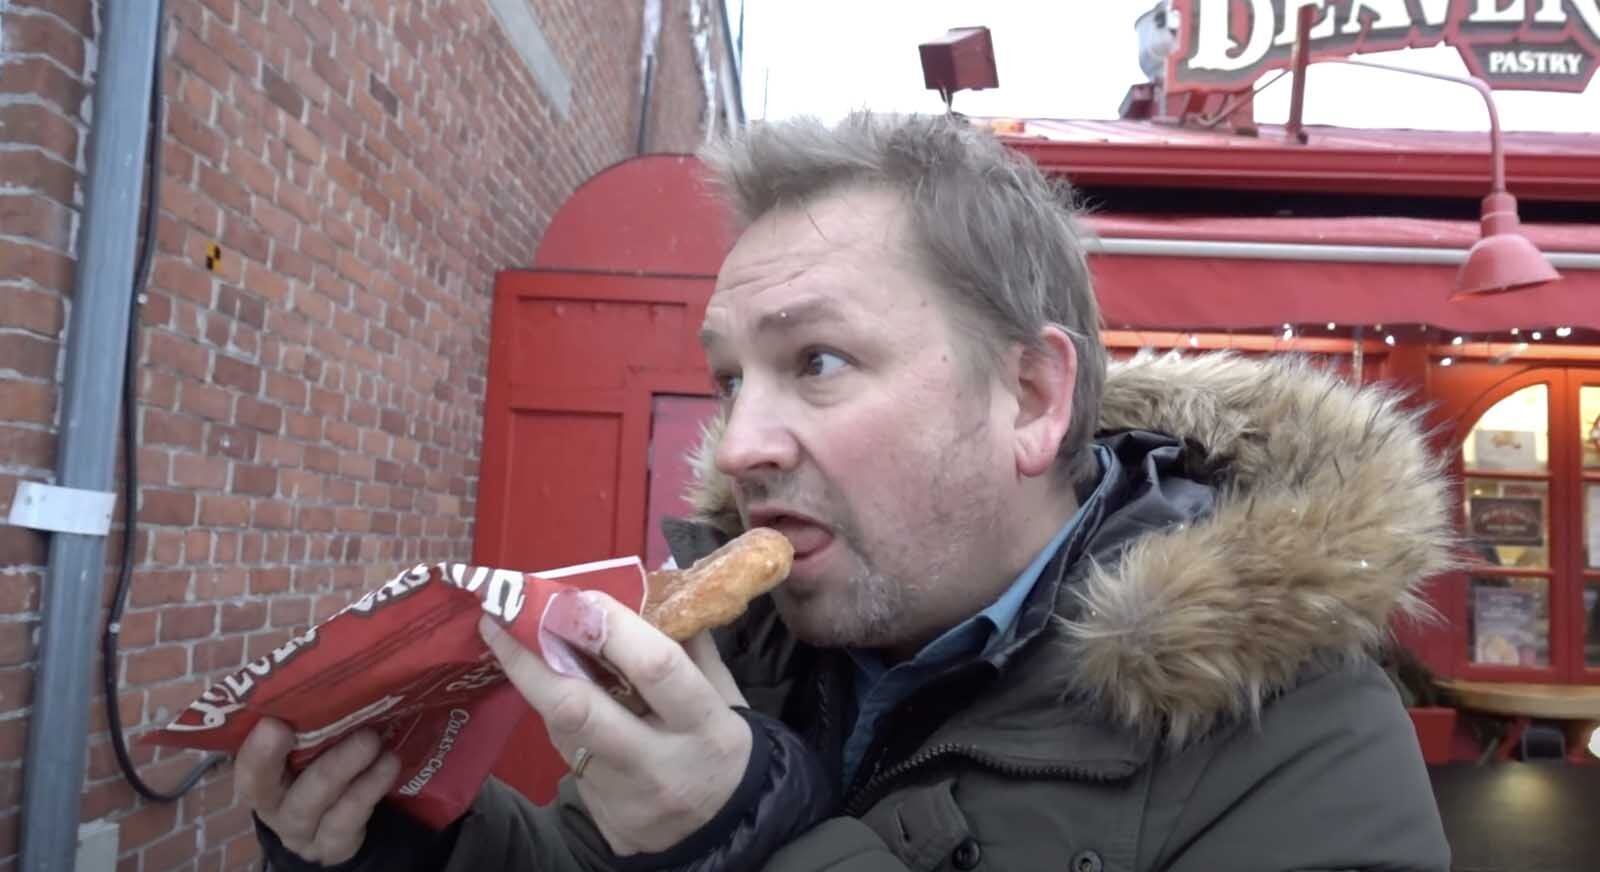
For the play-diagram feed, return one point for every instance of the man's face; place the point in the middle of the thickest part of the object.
(858, 427)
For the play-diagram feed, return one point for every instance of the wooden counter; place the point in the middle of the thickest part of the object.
(1565, 702)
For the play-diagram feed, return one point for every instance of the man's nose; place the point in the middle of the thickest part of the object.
(755, 439)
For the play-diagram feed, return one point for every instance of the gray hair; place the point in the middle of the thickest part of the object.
(1003, 240)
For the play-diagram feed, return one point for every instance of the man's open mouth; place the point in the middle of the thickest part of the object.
(806, 534)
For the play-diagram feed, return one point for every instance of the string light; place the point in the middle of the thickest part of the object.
(1331, 325)
(1504, 356)
(1388, 339)
(1457, 341)
(1447, 361)
(1194, 341)
(1516, 332)
(1536, 335)
(1288, 332)
(1563, 332)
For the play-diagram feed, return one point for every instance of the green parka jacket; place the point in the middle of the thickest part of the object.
(1190, 686)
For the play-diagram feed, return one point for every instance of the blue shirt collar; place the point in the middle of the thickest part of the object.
(980, 631)
(879, 688)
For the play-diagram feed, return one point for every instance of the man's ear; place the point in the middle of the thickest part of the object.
(1046, 378)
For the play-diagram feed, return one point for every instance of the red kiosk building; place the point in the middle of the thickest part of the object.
(1344, 244)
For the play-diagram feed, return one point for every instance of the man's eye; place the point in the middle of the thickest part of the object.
(727, 385)
(822, 363)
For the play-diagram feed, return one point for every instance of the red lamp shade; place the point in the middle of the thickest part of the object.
(1503, 259)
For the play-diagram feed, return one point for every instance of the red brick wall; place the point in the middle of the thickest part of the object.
(310, 411)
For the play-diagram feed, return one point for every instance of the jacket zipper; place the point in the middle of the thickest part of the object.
(875, 789)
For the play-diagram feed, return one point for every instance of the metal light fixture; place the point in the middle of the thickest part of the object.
(961, 59)
(1502, 259)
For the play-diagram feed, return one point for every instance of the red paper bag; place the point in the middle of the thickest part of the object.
(406, 660)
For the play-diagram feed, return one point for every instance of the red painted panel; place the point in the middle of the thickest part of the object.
(651, 214)
(1539, 166)
(1337, 230)
(563, 477)
(494, 492)
(1202, 293)
(529, 750)
(609, 338)
(675, 433)
(580, 344)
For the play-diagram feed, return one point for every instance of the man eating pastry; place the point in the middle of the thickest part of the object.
(1044, 612)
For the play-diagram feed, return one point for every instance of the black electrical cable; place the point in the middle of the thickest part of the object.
(130, 458)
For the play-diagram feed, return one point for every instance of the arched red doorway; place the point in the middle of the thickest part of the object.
(1526, 454)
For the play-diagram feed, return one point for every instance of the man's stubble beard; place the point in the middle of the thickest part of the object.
(863, 613)
(877, 610)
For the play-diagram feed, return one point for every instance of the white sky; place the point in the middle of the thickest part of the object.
(1076, 59)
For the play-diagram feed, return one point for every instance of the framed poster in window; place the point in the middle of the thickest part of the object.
(1510, 626)
(1591, 526)
(1507, 520)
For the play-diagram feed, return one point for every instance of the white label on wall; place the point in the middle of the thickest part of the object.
(527, 37)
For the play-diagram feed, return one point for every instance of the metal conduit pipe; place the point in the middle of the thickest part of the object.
(90, 403)
(1311, 252)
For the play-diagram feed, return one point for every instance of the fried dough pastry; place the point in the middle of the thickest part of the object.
(716, 590)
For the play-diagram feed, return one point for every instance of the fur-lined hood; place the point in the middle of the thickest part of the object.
(1333, 515)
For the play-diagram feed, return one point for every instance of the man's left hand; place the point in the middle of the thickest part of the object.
(650, 781)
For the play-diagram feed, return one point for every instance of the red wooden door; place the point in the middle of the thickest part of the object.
(578, 364)
(575, 362)
(676, 425)
(1530, 512)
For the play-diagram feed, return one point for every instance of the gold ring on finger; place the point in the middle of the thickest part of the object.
(580, 762)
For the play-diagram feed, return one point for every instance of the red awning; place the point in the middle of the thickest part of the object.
(652, 215)
(1539, 166)
(1404, 232)
(1242, 293)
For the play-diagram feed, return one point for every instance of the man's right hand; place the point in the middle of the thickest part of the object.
(321, 814)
